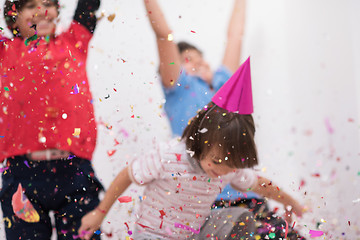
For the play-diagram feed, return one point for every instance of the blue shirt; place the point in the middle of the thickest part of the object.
(190, 94)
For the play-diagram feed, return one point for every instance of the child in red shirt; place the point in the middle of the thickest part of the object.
(47, 123)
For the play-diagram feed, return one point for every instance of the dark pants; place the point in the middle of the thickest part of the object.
(66, 187)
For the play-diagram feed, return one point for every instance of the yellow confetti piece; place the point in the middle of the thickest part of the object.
(76, 132)
(69, 141)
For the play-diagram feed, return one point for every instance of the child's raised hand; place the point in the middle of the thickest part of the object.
(90, 223)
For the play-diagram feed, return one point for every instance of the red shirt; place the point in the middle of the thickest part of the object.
(45, 100)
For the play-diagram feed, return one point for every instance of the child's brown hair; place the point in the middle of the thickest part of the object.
(232, 133)
(12, 7)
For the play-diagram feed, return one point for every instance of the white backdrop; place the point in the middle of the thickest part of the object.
(306, 81)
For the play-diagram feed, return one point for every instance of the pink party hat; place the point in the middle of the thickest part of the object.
(236, 94)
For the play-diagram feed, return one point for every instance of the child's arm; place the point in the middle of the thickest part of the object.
(168, 52)
(85, 13)
(234, 36)
(267, 189)
(92, 221)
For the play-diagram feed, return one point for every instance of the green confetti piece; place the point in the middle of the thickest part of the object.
(28, 40)
(272, 235)
(209, 180)
(6, 89)
(172, 63)
(47, 38)
(359, 173)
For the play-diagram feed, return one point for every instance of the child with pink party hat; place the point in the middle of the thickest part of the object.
(183, 176)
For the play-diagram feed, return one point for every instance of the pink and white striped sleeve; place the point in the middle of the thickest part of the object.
(146, 169)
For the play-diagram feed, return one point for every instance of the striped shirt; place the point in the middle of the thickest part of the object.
(178, 194)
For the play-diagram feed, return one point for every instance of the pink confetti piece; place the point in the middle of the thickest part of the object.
(314, 233)
(328, 126)
(3, 169)
(179, 225)
(124, 199)
(286, 229)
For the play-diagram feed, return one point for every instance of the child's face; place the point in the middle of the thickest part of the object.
(214, 165)
(195, 64)
(39, 13)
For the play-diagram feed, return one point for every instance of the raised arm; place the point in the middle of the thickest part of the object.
(92, 221)
(234, 36)
(85, 13)
(267, 189)
(168, 52)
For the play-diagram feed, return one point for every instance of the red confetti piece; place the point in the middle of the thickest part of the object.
(143, 226)
(124, 199)
(178, 156)
(194, 178)
(111, 152)
(132, 116)
(193, 31)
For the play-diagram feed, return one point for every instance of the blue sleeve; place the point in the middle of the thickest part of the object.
(182, 80)
(220, 77)
(85, 13)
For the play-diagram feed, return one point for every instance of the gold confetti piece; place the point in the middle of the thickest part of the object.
(69, 141)
(76, 132)
(111, 17)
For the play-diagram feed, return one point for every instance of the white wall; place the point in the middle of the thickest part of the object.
(304, 57)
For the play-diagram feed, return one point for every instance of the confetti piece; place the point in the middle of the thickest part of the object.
(178, 157)
(111, 152)
(124, 132)
(26, 163)
(76, 132)
(3, 169)
(287, 229)
(193, 31)
(124, 199)
(23, 208)
(204, 130)
(314, 233)
(76, 89)
(328, 126)
(2, 136)
(69, 141)
(179, 225)
(6, 89)
(143, 226)
(111, 17)
(28, 40)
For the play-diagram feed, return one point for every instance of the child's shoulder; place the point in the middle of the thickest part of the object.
(173, 150)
